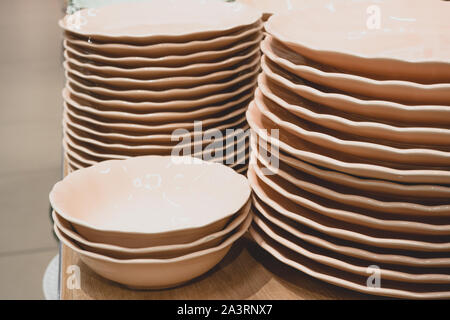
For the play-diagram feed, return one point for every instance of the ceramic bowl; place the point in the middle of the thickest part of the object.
(104, 103)
(412, 192)
(159, 252)
(152, 118)
(355, 146)
(352, 249)
(329, 118)
(345, 279)
(324, 158)
(156, 273)
(385, 53)
(162, 95)
(165, 83)
(160, 21)
(294, 190)
(89, 154)
(275, 203)
(101, 133)
(149, 201)
(379, 110)
(141, 128)
(189, 65)
(392, 90)
(343, 263)
(158, 50)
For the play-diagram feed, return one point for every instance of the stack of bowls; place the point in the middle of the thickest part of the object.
(154, 221)
(354, 187)
(164, 77)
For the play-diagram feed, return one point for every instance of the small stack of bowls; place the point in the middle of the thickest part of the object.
(163, 77)
(151, 222)
(351, 161)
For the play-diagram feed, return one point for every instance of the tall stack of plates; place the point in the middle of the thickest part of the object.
(354, 187)
(158, 78)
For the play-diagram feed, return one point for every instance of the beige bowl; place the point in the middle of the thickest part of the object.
(392, 90)
(159, 252)
(365, 151)
(386, 53)
(153, 118)
(416, 192)
(160, 21)
(161, 95)
(157, 50)
(323, 116)
(85, 157)
(156, 273)
(103, 103)
(163, 83)
(142, 67)
(287, 185)
(344, 279)
(332, 160)
(276, 203)
(383, 256)
(130, 127)
(381, 110)
(355, 266)
(151, 200)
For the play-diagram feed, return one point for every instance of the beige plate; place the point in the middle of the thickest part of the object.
(351, 265)
(351, 249)
(359, 169)
(235, 114)
(158, 187)
(165, 83)
(355, 198)
(160, 21)
(105, 134)
(411, 44)
(153, 118)
(392, 90)
(371, 186)
(98, 148)
(414, 157)
(279, 183)
(198, 92)
(385, 111)
(158, 50)
(141, 67)
(206, 58)
(343, 230)
(91, 154)
(156, 273)
(320, 115)
(171, 106)
(159, 252)
(345, 279)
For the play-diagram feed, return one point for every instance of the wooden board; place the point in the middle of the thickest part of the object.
(247, 272)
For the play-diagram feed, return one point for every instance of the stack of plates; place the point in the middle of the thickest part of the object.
(151, 221)
(354, 188)
(160, 77)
